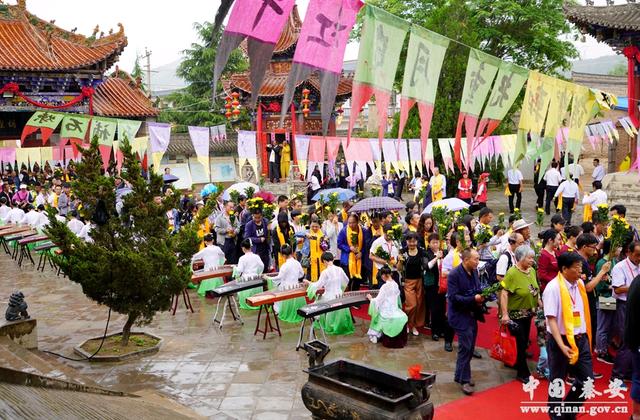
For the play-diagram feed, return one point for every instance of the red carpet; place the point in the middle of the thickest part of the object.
(508, 401)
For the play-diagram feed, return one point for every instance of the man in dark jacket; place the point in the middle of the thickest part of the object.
(464, 301)
(258, 231)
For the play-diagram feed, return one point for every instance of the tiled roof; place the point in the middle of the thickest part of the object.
(274, 84)
(289, 35)
(180, 144)
(120, 97)
(618, 16)
(30, 43)
(616, 85)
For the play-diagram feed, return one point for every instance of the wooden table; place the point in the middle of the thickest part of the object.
(11, 231)
(223, 271)
(24, 247)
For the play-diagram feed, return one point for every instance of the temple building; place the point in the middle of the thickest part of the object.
(45, 67)
(272, 91)
(617, 25)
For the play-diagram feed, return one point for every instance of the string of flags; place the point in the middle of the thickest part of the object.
(77, 130)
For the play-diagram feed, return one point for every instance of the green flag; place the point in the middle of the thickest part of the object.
(560, 98)
(128, 129)
(45, 119)
(74, 127)
(383, 35)
(104, 129)
(423, 64)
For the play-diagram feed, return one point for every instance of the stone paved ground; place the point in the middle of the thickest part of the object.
(227, 372)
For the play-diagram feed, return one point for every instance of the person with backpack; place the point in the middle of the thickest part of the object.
(507, 258)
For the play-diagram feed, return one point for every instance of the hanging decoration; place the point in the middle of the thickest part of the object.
(421, 74)
(302, 151)
(86, 92)
(159, 137)
(333, 146)
(534, 112)
(321, 45)
(445, 153)
(261, 23)
(382, 38)
(415, 155)
(560, 93)
(200, 140)
(481, 70)
(45, 121)
(390, 153)
(247, 152)
(316, 155)
(227, 107)
(235, 103)
(305, 102)
(506, 89)
(429, 157)
(583, 108)
(377, 155)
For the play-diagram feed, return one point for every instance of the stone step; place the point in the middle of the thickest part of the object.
(11, 361)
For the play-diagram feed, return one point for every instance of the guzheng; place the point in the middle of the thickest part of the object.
(222, 271)
(236, 286)
(347, 300)
(275, 295)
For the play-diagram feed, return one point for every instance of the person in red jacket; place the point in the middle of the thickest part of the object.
(465, 187)
(481, 194)
(547, 262)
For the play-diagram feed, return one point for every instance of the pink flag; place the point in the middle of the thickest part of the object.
(105, 153)
(323, 39)
(262, 23)
(8, 155)
(333, 145)
(316, 154)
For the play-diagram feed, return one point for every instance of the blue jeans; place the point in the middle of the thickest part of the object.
(466, 347)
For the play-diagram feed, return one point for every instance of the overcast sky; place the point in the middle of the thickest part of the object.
(166, 27)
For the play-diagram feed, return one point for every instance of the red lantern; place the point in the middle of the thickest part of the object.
(228, 114)
(305, 102)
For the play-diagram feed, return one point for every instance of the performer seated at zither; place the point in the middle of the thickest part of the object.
(249, 265)
(213, 258)
(388, 321)
(334, 281)
(288, 278)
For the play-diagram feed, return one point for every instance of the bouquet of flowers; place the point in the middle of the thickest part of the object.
(249, 192)
(537, 247)
(602, 214)
(459, 215)
(619, 233)
(461, 238)
(443, 221)
(232, 217)
(235, 196)
(489, 292)
(381, 253)
(297, 196)
(483, 234)
(501, 224)
(268, 211)
(376, 191)
(423, 192)
(354, 239)
(517, 213)
(395, 233)
(255, 203)
(539, 216)
(304, 219)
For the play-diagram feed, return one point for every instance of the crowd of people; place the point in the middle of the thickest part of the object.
(572, 284)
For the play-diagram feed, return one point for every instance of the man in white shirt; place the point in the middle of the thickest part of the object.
(31, 217)
(386, 244)
(508, 258)
(74, 224)
(598, 171)
(570, 195)
(595, 198)
(567, 340)
(514, 178)
(14, 215)
(4, 209)
(416, 185)
(574, 169)
(623, 274)
(553, 179)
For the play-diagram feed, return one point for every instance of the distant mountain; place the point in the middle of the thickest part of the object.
(164, 79)
(600, 65)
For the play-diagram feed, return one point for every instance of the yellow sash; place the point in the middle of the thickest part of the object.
(437, 186)
(456, 258)
(567, 315)
(411, 228)
(507, 193)
(344, 215)
(377, 232)
(587, 213)
(315, 254)
(355, 265)
(204, 229)
(281, 258)
(559, 202)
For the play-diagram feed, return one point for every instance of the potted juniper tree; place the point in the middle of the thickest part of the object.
(132, 264)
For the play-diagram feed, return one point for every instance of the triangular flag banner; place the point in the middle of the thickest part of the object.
(506, 89)
(534, 111)
(612, 129)
(333, 147)
(8, 155)
(74, 126)
(321, 44)
(421, 74)
(561, 93)
(105, 154)
(481, 70)
(624, 123)
(22, 158)
(46, 155)
(57, 157)
(247, 150)
(415, 155)
(262, 25)
(302, 151)
(377, 155)
(159, 138)
(429, 157)
(140, 146)
(583, 108)
(508, 149)
(46, 121)
(104, 129)
(316, 155)
(362, 154)
(463, 147)
(403, 154)
(127, 129)
(382, 38)
(200, 139)
(445, 152)
(390, 154)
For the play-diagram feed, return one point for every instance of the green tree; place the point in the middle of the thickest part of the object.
(618, 70)
(192, 105)
(137, 72)
(133, 265)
